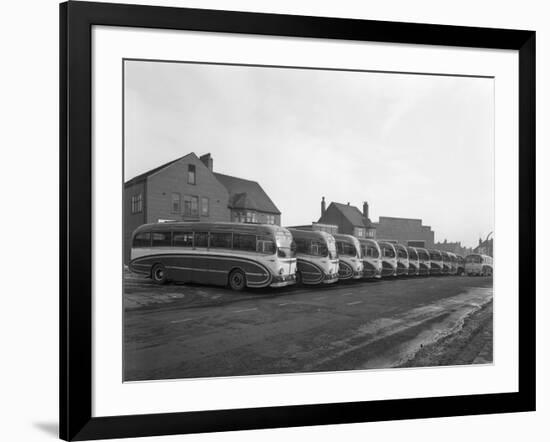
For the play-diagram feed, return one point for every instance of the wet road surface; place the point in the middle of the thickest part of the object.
(181, 331)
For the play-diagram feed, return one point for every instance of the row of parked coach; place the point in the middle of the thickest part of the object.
(366, 258)
(256, 255)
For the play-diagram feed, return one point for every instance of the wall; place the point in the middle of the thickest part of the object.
(403, 230)
(335, 217)
(133, 220)
(30, 322)
(174, 179)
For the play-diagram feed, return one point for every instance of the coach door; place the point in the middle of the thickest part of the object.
(182, 243)
(200, 263)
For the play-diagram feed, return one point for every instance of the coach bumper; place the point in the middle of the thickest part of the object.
(283, 280)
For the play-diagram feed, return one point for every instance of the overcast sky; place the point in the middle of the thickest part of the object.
(414, 146)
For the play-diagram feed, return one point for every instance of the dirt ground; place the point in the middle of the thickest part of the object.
(472, 344)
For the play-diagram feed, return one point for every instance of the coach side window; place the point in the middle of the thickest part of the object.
(301, 245)
(142, 239)
(182, 239)
(244, 242)
(162, 239)
(201, 239)
(221, 240)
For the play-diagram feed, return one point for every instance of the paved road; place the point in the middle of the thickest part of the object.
(181, 331)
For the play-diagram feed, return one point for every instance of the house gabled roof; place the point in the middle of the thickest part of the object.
(147, 174)
(246, 194)
(243, 194)
(352, 214)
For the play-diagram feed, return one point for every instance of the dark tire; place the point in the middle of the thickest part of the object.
(158, 274)
(237, 280)
(298, 278)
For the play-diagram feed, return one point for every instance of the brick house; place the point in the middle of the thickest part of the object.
(187, 189)
(349, 219)
(248, 202)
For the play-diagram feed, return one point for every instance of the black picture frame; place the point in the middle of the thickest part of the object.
(76, 21)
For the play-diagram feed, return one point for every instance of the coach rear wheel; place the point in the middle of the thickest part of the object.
(237, 280)
(158, 274)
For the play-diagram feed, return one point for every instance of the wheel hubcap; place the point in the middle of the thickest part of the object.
(237, 280)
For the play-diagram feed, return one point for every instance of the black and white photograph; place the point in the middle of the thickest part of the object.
(275, 221)
(281, 220)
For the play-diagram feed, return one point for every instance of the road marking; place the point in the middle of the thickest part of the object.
(245, 310)
(181, 320)
(286, 303)
(354, 302)
(347, 294)
(319, 298)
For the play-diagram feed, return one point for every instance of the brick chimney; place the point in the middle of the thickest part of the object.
(208, 161)
(323, 206)
(365, 209)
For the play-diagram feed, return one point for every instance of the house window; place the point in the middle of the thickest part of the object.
(191, 205)
(137, 203)
(251, 217)
(270, 219)
(191, 174)
(205, 209)
(359, 232)
(176, 198)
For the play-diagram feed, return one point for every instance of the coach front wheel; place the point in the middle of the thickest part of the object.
(237, 280)
(158, 274)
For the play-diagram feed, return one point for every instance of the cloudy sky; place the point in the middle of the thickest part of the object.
(414, 146)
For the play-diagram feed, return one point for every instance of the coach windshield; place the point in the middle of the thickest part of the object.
(285, 244)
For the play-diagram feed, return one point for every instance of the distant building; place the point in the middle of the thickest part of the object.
(188, 189)
(485, 247)
(407, 231)
(349, 219)
(453, 247)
